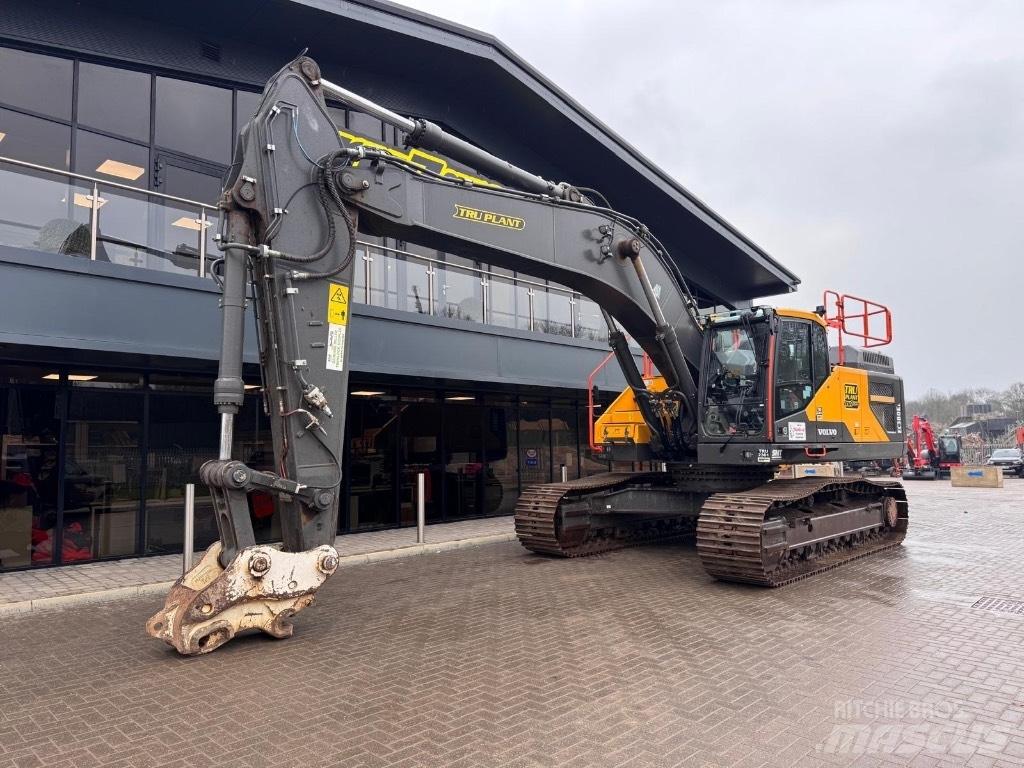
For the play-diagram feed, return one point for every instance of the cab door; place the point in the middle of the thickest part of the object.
(801, 367)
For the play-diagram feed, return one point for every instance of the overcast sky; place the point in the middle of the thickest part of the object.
(872, 147)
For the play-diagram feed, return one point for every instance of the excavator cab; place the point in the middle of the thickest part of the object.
(773, 390)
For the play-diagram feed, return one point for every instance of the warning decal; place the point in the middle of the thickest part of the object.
(335, 347)
(337, 304)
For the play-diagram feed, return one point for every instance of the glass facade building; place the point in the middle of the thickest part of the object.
(94, 462)
(117, 122)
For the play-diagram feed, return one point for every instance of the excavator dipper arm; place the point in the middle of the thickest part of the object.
(294, 199)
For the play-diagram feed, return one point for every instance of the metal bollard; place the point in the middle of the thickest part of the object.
(565, 474)
(421, 507)
(190, 523)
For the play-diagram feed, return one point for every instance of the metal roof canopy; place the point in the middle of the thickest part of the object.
(476, 85)
(418, 65)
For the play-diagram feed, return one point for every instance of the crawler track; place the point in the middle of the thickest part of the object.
(547, 523)
(542, 529)
(742, 535)
(731, 531)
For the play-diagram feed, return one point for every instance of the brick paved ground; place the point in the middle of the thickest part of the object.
(493, 657)
(17, 587)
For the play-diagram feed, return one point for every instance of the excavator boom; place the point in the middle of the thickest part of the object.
(294, 200)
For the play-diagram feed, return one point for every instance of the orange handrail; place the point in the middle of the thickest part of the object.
(840, 320)
(590, 402)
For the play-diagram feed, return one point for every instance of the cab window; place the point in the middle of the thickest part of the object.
(819, 355)
(733, 380)
(794, 386)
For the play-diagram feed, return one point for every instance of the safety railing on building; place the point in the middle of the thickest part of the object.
(63, 212)
(402, 279)
(57, 211)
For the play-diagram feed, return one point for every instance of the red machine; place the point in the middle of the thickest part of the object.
(929, 457)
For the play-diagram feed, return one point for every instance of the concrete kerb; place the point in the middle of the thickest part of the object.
(135, 590)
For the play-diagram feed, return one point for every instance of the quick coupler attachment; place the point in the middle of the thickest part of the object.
(262, 588)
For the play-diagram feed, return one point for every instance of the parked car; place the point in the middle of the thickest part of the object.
(1009, 459)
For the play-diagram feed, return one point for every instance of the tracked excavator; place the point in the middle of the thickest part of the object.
(735, 395)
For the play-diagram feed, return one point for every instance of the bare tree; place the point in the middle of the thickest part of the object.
(1013, 400)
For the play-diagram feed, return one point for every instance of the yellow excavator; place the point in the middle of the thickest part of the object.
(736, 394)
(771, 392)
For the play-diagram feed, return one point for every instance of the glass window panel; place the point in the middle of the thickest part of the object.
(36, 82)
(183, 433)
(589, 464)
(124, 220)
(540, 308)
(115, 100)
(176, 180)
(420, 451)
(501, 449)
(178, 225)
(29, 481)
(363, 275)
(373, 437)
(245, 105)
(501, 298)
(119, 161)
(464, 465)
(87, 379)
(165, 382)
(34, 140)
(381, 270)
(524, 298)
(102, 474)
(558, 321)
(793, 388)
(40, 212)
(177, 238)
(461, 294)
(534, 444)
(194, 118)
(28, 374)
(413, 279)
(563, 439)
(589, 321)
(819, 355)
